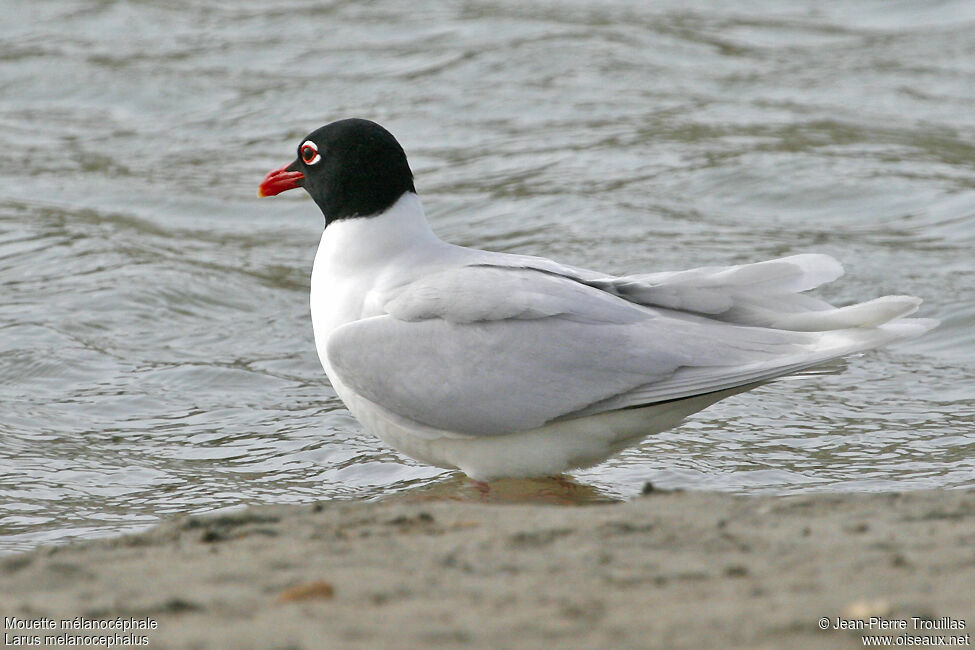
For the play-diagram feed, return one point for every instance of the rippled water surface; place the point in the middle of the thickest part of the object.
(156, 352)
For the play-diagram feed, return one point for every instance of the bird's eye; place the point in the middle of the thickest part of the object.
(309, 153)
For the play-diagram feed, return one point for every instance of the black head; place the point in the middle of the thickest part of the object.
(351, 168)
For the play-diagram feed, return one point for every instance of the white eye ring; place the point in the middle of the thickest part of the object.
(308, 152)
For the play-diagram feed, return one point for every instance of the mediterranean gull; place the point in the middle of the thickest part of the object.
(504, 365)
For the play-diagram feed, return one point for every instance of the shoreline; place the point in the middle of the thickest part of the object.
(668, 569)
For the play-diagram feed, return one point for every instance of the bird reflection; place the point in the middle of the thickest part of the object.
(553, 490)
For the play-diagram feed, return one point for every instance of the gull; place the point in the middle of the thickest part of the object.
(512, 366)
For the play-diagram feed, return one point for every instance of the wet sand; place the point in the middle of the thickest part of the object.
(669, 569)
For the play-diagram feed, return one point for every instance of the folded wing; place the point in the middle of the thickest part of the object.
(511, 343)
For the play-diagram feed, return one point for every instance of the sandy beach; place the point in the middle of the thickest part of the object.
(669, 569)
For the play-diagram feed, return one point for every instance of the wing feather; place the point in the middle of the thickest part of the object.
(511, 343)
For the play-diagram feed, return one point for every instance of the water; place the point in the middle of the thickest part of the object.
(156, 353)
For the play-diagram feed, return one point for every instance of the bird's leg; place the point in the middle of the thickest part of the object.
(481, 486)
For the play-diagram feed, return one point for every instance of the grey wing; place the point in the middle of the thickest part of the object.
(490, 377)
(488, 350)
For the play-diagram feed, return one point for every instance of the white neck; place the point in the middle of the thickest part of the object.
(365, 241)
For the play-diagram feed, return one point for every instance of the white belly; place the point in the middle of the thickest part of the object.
(549, 450)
